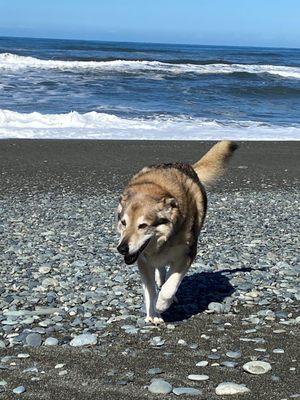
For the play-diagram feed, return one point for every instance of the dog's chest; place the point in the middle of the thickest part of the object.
(167, 255)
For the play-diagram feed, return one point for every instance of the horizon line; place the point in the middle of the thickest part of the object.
(149, 42)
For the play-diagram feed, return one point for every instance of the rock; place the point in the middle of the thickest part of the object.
(186, 390)
(233, 354)
(227, 388)
(33, 340)
(159, 386)
(202, 364)
(156, 341)
(218, 308)
(85, 339)
(19, 390)
(195, 377)
(44, 269)
(51, 341)
(229, 364)
(257, 367)
(154, 371)
(278, 351)
(2, 344)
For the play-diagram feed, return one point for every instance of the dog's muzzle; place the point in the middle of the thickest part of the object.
(131, 258)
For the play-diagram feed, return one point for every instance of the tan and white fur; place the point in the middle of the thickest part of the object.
(160, 215)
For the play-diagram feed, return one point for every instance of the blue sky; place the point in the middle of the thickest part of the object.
(223, 22)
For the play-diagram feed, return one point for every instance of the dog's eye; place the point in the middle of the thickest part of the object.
(161, 221)
(142, 226)
(123, 222)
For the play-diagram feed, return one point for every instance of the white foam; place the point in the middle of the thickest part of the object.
(94, 125)
(13, 62)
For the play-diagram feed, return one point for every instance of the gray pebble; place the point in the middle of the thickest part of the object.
(85, 339)
(159, 386)
(228, 388)
(186, 390)
(19, 390)
(33, 340)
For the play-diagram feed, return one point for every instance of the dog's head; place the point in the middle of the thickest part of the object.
(143, 219)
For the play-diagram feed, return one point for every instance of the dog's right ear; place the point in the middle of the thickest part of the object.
(169, 202)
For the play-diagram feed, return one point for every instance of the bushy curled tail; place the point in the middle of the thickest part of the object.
(213, 164)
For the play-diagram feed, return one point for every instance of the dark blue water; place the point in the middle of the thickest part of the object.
(185, 81)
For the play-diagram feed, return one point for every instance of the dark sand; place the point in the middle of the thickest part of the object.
(90, 166)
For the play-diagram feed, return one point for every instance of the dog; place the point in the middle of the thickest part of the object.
(160, 215)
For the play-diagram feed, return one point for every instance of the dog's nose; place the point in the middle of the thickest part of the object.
(123, 248)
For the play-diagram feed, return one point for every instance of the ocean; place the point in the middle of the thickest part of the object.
(73, 89)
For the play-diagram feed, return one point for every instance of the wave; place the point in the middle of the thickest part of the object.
(14, 62)
(95, 125)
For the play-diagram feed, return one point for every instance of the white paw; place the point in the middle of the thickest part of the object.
(163, 304)
(154, 320)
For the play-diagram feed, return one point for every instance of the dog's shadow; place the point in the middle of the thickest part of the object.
(197, 291)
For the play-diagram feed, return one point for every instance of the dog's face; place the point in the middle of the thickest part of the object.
(143, 219)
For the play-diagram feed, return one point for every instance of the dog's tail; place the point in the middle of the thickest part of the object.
(213, 164)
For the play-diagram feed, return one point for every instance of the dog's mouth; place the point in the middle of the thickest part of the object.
(131, 258)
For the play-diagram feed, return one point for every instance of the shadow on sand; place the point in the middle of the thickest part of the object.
(198, 290)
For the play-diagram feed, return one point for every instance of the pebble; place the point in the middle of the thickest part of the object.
(202, 363)
(159, 386)
(233, 354)
(155, 371)
(33, 340)
(229, 364)
(157, 341)
(257, 367)
(85, 339)
(218, 308)
(187, 391)
(51, 341)
(228, 388)
(19, 390)
(278, 351)
(195, 377)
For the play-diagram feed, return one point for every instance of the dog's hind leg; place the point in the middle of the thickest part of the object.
(150, 292)
(169, 289)
(160, 276)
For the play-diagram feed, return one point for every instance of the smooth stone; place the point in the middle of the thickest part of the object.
(159, 386)
(44, 270)
(278, 351)
(23, 355)
(202, 364)
(155, 371)
(234, 354)
(51, 341)
(257, 367)
(33, 340)
(85, 339)
(3, 383)
(157, 341)
(195, 377)
(229, 364)
(216, 307)
(186, 390)
(19, 390)
(2, 344)
(227, 388)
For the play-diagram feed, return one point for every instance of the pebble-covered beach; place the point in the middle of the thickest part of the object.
(71, 312)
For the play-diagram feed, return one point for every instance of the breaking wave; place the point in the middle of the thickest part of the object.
(14, 62)
(96, 125)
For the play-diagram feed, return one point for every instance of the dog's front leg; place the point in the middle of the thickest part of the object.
(150, 292)
(169, 288)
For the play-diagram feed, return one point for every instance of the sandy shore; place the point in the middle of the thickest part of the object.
(85, 166)
(57, 212)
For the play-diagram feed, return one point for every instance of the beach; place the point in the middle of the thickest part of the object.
(61, 275)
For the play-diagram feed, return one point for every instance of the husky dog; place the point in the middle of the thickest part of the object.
(160, 215)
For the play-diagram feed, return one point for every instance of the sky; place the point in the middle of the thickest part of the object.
(271, 23)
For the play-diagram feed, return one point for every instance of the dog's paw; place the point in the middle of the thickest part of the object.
(154, 320)
(163, 304)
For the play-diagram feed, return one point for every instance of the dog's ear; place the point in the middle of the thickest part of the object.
(168, 204)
